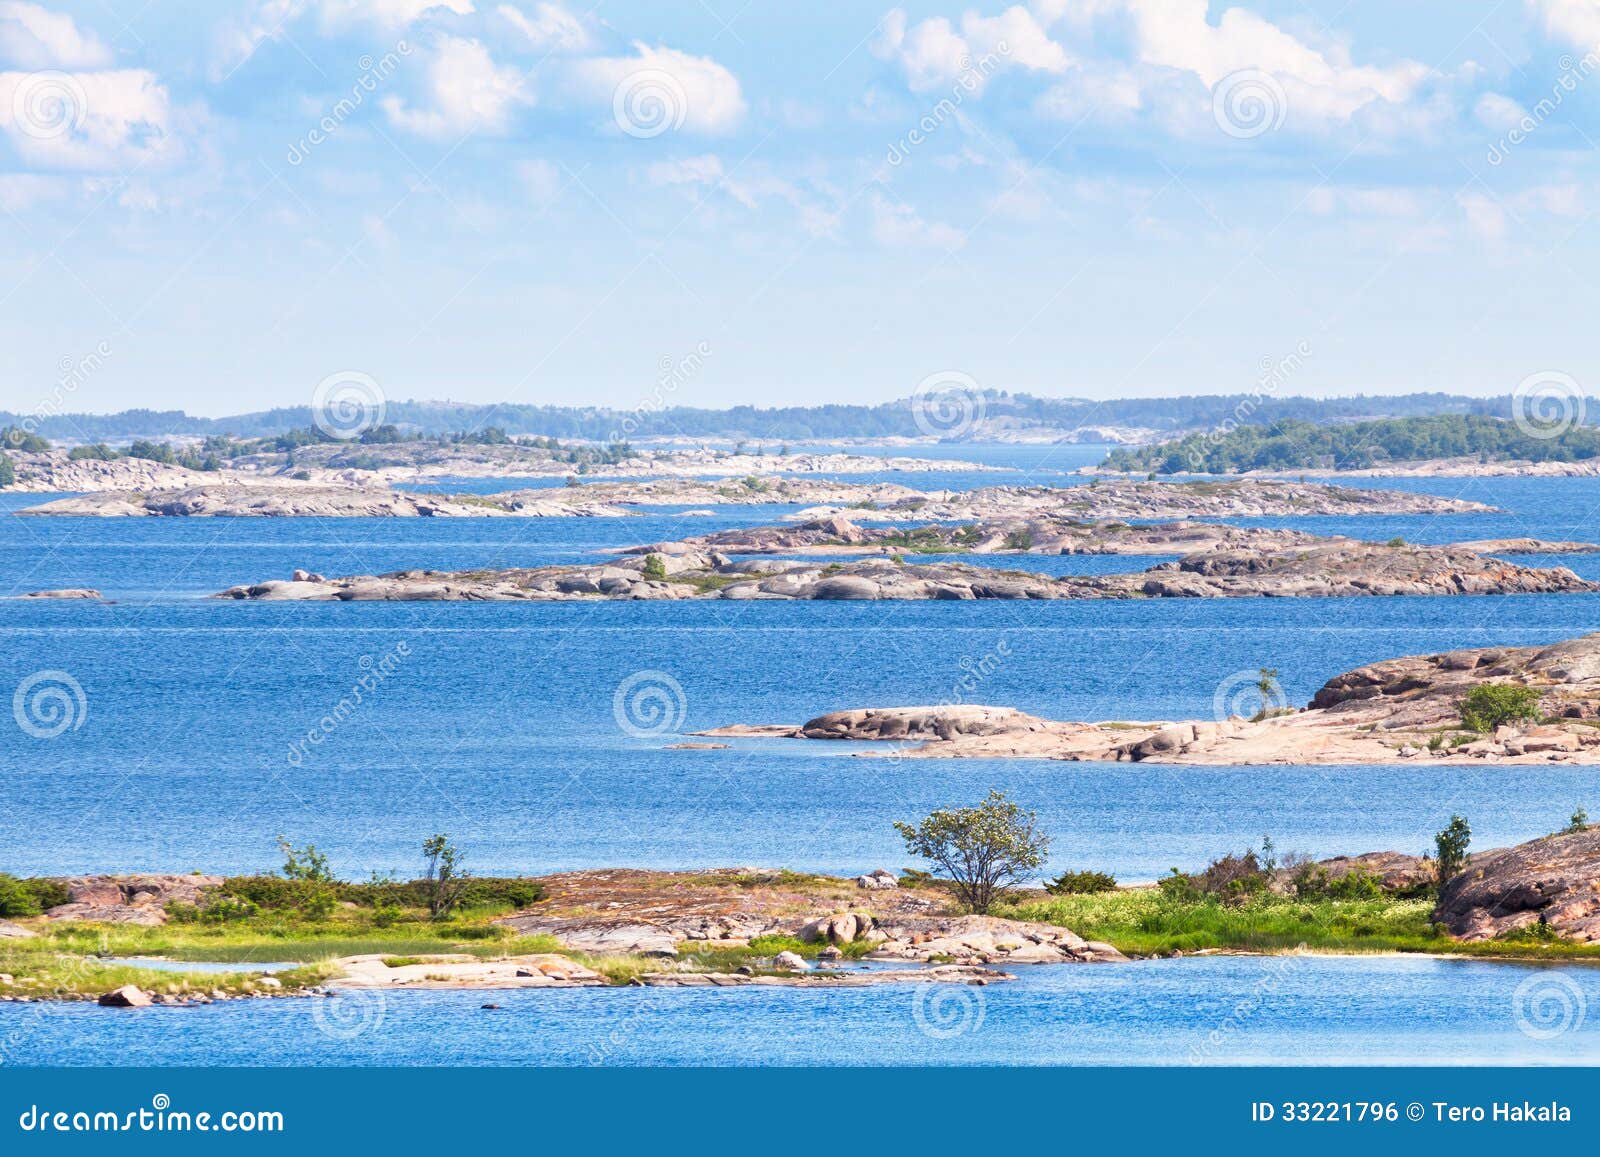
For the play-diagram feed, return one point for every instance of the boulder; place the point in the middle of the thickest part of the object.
(128, 996)
(846, 587)
(985, 939)
(1554, 881)
(10, 931)
(789, 962)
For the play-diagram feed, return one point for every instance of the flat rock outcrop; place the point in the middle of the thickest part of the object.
(985, 940)
(453, 971)
(66, 593)
(1400, 709)
(1554, 881)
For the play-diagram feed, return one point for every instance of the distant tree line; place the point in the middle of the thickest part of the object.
(887, 419)
(1296, 445)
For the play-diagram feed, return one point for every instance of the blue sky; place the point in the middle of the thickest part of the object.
(214, 206)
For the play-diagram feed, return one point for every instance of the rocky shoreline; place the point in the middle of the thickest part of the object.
(1407, 709)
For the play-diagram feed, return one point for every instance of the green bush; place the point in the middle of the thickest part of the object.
(97, 451)
(1490, 705)
(16, 898)
(654, 567)
(1081, 883)
(8, 472)
(16, 438)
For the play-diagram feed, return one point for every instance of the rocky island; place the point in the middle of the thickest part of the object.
(359, 495)
(1545, 708)
(1040, 534)
(1315, 568)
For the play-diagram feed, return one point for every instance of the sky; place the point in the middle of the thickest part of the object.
(216, 206)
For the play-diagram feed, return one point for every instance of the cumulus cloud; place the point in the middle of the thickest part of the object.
(549, 28)
(267, 20)
(94, 121)
(34, 37)
(1161, 58)
(695, 92)
(1575, 21)
(934, 53)
(464, 92)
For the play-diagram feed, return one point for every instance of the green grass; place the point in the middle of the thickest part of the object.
(1144, 922)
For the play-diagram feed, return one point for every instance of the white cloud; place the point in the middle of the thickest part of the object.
(705, 175)
(465, 92)
(34, 37)
(697, 93)
(1497, 112)
(1165, 57)
(1575, 21)
(934, 54)
(267, 20)
(551, 28)
(900, 226)
(87, 120)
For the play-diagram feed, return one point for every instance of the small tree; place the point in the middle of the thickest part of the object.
(1579, 821)
(655, 567)
(982, 849)
(1267, 688)
(304, 863)
(1452, 848)
(445, 877)
(8, 472)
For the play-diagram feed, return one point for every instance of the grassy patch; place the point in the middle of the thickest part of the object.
(1144, 922)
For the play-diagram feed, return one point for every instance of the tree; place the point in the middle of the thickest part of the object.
(444, 875)
(1267, 687)
(982, 849)
(1452, 848)
(655, 567)
(8, 472)
(1579, 821)
(1489, 705)
(303, 863)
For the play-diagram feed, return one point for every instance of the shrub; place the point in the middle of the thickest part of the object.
(8, 472)
(1579, 822)
(655, 567)
(97, 451)
(16, 898)
(1490, 705)
(1019, 540)
(1233, 878)
(1081, 883)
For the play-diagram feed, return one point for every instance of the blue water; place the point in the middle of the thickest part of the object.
(1194, 1011)
(205, 729)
